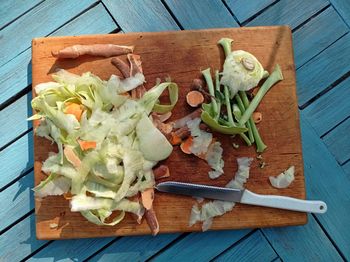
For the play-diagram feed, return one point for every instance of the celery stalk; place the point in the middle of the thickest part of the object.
(228, 106)
(250, 121)
(217, 87)
(209, 80)
(226, 45)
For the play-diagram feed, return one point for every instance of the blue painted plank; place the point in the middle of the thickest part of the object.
(135, 248)
(13, 119)
(16, 201)
(338, 141)
(43, 19)
(330, 109)
(141, 16)
(70, 250)
(343, 8)
(200, 14)
(16, 159)
(302, 243)
(346, 167)
(20, 241)
(94, 21)
(323, 70)
(11, 9)
(326, 180)
(253, 248)
(317, 34)
(287, 12)
(16, 74)
(244, 9)
(201, 246)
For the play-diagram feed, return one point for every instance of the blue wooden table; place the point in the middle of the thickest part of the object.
(321, 49)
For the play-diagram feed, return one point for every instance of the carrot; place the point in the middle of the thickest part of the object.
(147, 198)
(194, 98)
(67, 196)
(121, 66)
(85, 145)
(74, 109)
(105, 50)
(175, 139)
(152, 221)
(186, 145)
(136, 67)
(161, 172)
(183, 121)
(257, 117)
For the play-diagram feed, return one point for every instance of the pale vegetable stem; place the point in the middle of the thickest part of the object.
(250, 122)
(209, 80)
(228, 106)
(260, 145)
(226, 45)
(241, 107)
(217, 87)
(270, 81)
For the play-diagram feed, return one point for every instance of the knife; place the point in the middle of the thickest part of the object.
(242, 196)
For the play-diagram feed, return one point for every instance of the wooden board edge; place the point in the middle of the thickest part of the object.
(55, 38)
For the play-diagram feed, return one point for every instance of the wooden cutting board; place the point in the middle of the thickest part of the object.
(181, 55)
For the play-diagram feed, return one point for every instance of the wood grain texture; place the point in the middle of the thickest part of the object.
(141, 16)
(291, 13)
(12, 9)
(330, 109)
(16, 159)
(134, 248)
(327, 181)
(200, 14)
(338, 142)
(20, 241)
(71, 250)
(17, 74)
(254, 248)
(218, 241)
(343, 8)
(17, 36)
(17, 200)
(282, 152)
(316, 35)
(346, 167)
(13, 119)
(323, 70)
(243, 9)
(296, 243)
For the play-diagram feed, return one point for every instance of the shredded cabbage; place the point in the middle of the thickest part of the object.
(203, 145)
(216, 208)
(284, 179)
(53, 185)
(124, 145)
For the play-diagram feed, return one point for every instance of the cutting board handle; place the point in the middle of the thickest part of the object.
(282, 202)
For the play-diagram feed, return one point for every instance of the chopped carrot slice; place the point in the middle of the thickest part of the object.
(175, 139)
(194, 98)
(257, 117)
(186, 145)
(74, 109)
(67, 196)
(85, 145)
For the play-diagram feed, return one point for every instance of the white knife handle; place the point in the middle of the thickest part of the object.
(283, 202)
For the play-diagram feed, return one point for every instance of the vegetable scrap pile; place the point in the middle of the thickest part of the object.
(105, 133)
